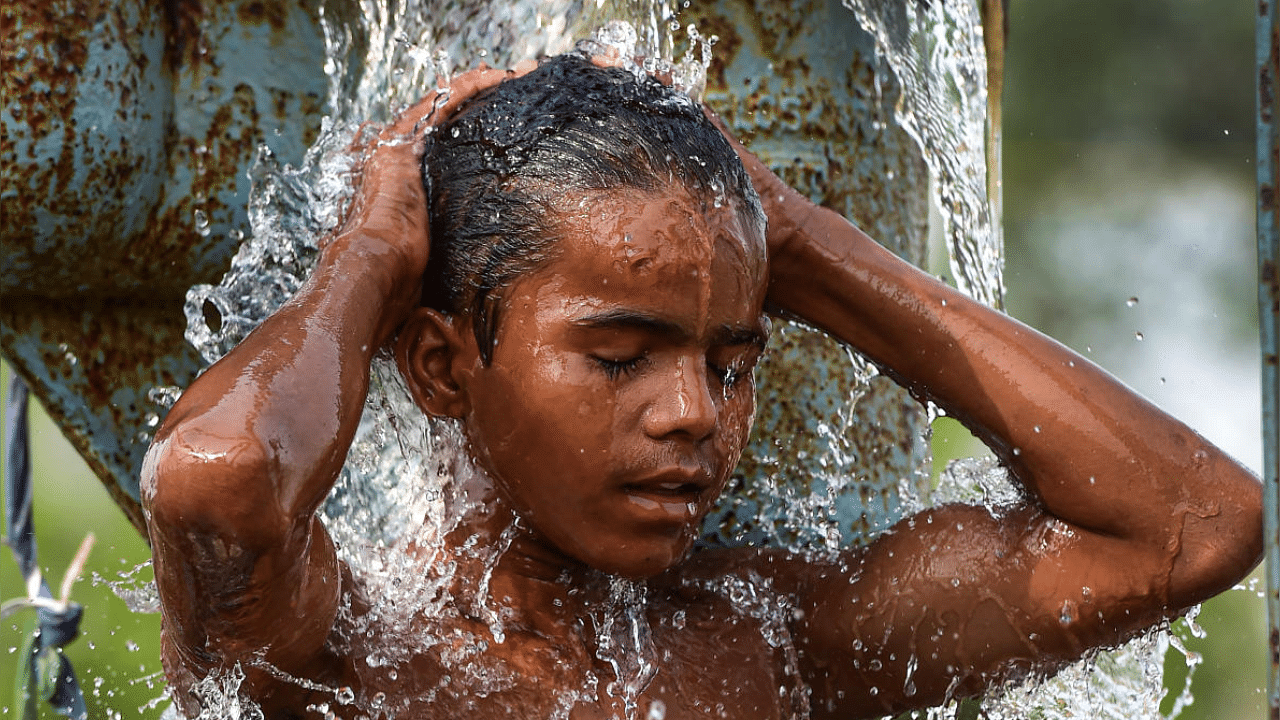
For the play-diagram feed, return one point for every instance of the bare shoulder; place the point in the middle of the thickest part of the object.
(950, 601)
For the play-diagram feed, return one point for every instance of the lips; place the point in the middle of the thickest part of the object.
(665, 489)
(672, 496)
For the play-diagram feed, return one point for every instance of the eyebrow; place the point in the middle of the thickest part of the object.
(627, 319)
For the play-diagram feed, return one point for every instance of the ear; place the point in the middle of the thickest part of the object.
(430, 349)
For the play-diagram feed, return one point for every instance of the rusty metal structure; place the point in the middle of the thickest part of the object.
(129, 128)
(126, 133)
(1268, 149)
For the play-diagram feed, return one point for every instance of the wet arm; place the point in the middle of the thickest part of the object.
(1131, 515)
(254, 445)
(239, 467)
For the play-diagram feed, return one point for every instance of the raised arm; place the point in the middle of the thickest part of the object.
(1131, 516)
(231, 485)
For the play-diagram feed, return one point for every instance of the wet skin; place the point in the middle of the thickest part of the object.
(620, 393)
(609, 408)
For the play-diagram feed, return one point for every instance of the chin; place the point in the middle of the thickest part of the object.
(643, 563)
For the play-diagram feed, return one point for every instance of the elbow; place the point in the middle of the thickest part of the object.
(198, 485)
(1221, 543)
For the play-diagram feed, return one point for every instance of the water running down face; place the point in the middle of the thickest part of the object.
(620, 391)
(602, 242)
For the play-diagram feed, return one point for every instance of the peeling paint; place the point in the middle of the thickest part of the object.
(123, 124)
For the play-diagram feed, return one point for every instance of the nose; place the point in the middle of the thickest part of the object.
(683, 407)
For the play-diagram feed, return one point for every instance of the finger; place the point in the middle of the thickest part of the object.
(611, 58)
(524, 67)
(439, 105)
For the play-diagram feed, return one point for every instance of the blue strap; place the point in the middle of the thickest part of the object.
(57, 626)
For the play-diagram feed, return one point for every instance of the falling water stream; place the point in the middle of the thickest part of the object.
(405, 484)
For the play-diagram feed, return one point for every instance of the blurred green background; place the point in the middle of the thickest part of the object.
(1128, 175)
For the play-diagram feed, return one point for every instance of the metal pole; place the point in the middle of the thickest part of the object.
(1268, 58)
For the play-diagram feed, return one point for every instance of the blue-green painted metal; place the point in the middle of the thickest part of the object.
(126, 132)
(1268, 139)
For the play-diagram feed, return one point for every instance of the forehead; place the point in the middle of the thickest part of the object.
(665, 255)
(656, 233)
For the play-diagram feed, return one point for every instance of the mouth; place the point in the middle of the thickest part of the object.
(670, 498)
(687, 490)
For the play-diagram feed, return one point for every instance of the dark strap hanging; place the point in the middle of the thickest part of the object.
(49, 673)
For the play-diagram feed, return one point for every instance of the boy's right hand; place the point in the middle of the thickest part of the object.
(388, 217)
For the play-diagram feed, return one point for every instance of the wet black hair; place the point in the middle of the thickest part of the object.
(496, 172)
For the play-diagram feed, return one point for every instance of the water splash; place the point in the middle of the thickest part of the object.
(619, 42)
(135, 586)
(220, 699)
(936, 51)
(404, 471)
(1121, 684)
(624, 640)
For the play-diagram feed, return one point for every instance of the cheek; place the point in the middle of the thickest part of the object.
(547, 414)
(737, 415)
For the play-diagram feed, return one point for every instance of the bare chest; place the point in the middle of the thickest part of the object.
(671, 668)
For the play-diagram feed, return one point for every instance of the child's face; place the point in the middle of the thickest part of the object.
(620, 393)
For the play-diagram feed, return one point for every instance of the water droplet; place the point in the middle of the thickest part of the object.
(202, 221)
(1139, 336)
(1131, 301)
(1068, 614)
(909, 686)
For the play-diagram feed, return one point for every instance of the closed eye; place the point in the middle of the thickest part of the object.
(613, 369)
(731, 375)
(740, 364)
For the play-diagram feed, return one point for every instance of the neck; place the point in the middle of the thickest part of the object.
(512, 579)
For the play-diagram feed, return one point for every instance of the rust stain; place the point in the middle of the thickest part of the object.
(162, 258)
(313, 106)
(728, 42)
(184, 35)
(112, 298)
(42, 52)
(257, 12)
(1267, 198)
